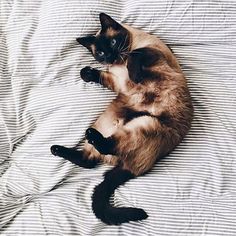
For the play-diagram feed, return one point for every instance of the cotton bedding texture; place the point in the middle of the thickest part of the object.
(43, 101)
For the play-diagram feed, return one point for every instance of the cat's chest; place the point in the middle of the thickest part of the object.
(121, 74)
(119, 71)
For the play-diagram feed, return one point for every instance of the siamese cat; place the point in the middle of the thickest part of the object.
(149, 117)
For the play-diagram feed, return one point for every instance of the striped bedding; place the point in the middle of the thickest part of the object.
(43, 101)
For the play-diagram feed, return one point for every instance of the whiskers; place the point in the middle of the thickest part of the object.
(122, 58)
(121, 46)
(123, 49)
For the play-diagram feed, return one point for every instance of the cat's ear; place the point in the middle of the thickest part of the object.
(108, 22)
(87, 41)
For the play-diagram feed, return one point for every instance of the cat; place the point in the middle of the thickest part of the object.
(150, 116)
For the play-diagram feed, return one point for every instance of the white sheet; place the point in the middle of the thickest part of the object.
(43, 101)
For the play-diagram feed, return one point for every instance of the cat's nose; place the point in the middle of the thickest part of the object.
(110, 58)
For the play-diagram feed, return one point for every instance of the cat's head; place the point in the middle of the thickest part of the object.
(111, 44)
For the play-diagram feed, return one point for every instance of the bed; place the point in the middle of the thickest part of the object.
(43, 101)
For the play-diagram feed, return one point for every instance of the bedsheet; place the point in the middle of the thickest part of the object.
(43, 101)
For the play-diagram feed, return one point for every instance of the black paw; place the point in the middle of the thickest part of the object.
(58, 150)
(94, 137)
(90, 74)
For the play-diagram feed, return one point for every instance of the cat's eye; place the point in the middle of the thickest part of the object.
(113, 42)
(100, 53)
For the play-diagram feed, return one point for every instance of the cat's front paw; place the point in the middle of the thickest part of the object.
(90, 74)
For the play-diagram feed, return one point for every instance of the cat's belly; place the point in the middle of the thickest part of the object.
(108, 122)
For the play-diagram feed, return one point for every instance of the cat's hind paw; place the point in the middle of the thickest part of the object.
(102, 144)
(57, 150)
(93, 136)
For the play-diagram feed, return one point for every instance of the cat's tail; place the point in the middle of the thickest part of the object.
(101, 196)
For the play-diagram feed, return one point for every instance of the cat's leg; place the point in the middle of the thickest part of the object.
(83, 158)
(139, 137)
(105, 78)
(130, 135)
(140, 62)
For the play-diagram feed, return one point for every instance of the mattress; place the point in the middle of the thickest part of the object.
(43, 101)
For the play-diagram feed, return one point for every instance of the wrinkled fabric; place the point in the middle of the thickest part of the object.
(43, 101)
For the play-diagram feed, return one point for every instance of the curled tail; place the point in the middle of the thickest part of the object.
(101, 196)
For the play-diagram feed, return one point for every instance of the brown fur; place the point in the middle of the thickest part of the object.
(160, 106)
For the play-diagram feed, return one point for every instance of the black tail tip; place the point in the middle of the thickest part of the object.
(118, 216)
(140, 214)
(78, 40)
